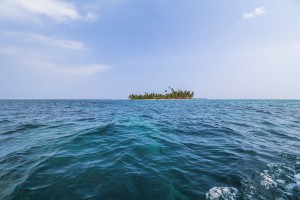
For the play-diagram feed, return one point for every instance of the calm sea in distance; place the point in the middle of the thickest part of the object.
(150, 150)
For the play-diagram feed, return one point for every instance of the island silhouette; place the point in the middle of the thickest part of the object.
(169, 94)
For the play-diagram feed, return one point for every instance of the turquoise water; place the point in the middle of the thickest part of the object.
(120, 149)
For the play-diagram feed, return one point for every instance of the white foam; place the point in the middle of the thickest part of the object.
(280, 181)
(290, 187)
(222, 193)
(267, 181)
(297, 178)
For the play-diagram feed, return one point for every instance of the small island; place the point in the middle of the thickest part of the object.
(172, 94)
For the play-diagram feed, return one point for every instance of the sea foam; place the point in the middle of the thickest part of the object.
(222, 193)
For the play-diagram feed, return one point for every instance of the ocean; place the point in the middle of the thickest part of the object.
(122, 149)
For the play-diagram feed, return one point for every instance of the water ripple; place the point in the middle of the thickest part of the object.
(93, 149)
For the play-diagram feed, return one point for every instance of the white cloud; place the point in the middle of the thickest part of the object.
(7, 50)
(34, 10)
(45, 40)
(256, 12)
(45, 60)
(82, 70)
(48, 66)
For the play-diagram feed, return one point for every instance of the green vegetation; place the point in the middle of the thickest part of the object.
(179, 94)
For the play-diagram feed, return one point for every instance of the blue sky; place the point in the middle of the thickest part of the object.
(110, 49)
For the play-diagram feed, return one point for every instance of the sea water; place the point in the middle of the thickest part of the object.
(121, 149)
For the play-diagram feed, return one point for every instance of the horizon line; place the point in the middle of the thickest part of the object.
(1, 99)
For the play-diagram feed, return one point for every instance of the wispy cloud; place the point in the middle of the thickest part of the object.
(33, 10)
(32, 50)
(44, 64)
(79, 70)
(45, 40)
(7, 50)
(83, 70)
(256, 12)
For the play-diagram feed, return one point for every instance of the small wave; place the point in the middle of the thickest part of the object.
(5, 121)
(98, 130)
(262, 111)
(89, 119)
(278, 181)
(24, 127)
(222, 193)
(30, 126)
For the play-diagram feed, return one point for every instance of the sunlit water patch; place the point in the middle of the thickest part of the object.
(104, 149)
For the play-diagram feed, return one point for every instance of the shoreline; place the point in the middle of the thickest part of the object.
(161, 99)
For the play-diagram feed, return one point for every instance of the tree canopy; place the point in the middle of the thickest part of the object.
(172, 94)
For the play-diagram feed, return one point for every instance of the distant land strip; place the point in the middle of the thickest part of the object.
(169, 94)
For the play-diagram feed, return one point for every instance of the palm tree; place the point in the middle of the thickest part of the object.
(173, 94)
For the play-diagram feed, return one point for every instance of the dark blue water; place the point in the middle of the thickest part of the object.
(115, 150)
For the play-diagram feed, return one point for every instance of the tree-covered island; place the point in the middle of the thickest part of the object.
(171, 94)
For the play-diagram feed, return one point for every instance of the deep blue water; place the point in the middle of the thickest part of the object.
(121, 149)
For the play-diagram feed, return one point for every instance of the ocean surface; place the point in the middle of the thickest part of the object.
(122, 150)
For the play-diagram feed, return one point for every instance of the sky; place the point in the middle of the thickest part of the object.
(97, 49)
